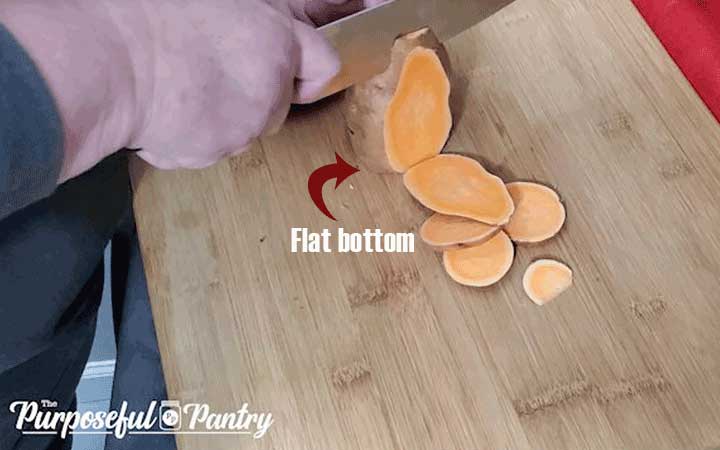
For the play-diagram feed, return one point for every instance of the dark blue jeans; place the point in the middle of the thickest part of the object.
(51, 282)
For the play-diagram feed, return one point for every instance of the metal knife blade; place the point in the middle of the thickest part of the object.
(364, 40)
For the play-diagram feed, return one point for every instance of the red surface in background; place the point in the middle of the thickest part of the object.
(690, 31)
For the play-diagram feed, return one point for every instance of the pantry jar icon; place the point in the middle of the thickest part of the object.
(170, 415)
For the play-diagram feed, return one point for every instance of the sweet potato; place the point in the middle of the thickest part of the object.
(444, 232)
(402, 116)
(539, 214)
(546, 279)
(460, 186)
(400, 121)
(481, 265)
(418, 120)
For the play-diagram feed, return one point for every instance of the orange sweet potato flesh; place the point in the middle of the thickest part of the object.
(482, 265)
(460, 186)
(366, 104)
(539, 215)
(418, 120)
(443, 232)
(546, 279)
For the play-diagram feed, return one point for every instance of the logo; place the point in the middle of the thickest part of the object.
(171, 417)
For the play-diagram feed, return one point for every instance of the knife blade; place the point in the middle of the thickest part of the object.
(364, 40)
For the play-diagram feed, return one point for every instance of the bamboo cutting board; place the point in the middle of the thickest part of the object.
(383, 351)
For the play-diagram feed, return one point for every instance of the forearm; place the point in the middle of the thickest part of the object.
(30, 130)
(78, 49)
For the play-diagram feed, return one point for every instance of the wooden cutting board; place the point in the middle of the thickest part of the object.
(383, 351)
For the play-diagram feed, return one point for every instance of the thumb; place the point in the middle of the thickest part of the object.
(319, 63)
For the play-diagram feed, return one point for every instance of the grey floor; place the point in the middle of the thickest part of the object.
(93, 393)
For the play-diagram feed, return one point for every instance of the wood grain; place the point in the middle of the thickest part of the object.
(383, 351)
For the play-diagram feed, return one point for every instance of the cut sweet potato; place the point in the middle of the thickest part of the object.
(460, 186)
(418, 119)
(412, 94)
(444, 232)
(481, 265)
(539, 214)
(546, 279)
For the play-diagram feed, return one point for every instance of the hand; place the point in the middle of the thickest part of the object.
(222, 76)
(186, 82)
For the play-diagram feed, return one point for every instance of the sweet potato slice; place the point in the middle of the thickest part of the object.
(539, 214)
(417, 84)
(481, 265)
(545, 279)
(418, 119)
(460, 186)
(444, 232)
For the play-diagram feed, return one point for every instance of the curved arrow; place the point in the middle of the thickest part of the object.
(341, 170)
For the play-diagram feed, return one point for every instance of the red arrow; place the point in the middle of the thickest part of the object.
(341, 170)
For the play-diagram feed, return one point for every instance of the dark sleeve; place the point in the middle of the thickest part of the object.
(31, 136)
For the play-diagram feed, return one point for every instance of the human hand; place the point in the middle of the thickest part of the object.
(221, 77)
(186, 82)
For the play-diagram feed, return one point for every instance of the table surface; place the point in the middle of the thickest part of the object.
(384, 351)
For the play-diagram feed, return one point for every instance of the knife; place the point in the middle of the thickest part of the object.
(364, 40)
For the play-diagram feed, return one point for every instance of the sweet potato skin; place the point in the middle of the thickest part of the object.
(365, 104)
